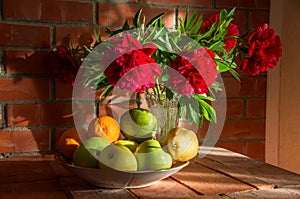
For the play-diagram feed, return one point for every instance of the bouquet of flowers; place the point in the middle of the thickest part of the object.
(183, 62)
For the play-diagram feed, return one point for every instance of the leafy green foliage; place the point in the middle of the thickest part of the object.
(169, 43)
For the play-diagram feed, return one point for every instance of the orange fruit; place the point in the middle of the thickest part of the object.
(68, 142)
(106, 127)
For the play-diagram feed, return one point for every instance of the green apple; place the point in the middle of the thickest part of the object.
(87, 153)
(132, 145)
(138, 124)
(117, 157)
(150, 156)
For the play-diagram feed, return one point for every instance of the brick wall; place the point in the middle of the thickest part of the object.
(35, 109)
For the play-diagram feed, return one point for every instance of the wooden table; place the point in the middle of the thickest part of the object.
(221, 174)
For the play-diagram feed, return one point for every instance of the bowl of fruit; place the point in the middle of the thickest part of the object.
(125, 154)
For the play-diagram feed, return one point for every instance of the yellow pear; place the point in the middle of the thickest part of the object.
(182, 144)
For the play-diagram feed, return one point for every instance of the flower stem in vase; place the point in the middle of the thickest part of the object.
(138, 100)
(166, 112)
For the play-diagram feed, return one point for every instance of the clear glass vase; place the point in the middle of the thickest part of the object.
(166, 112)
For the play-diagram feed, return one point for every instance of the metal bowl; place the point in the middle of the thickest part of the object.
(120, 179)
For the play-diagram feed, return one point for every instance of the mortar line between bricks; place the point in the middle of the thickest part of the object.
(29, 153)
(2, 62)
(40, 127)
(44, 22)
(241, 140)
(95, 11)
(214, 4)
(3, 116)
(1, 10)
(25, 75)
(35, 102)
(245, 118)
(25, 48)
(52, 140)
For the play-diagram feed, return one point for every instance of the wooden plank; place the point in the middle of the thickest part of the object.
(78, 189)
(58, 169)
(13, 170)
(45, 189)
(167, 188)
(236, 172)
(260, 171)
(281, 193)
(207, 181)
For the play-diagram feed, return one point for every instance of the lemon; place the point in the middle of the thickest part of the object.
(182, 144)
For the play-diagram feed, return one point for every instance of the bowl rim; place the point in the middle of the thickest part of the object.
(177, 166)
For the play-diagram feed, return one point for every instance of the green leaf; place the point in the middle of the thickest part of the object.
(126, 26)
(234, 74)
(194, 115)
(186, 15)
(196, 27)
(222, 67)
(136, 19)
(203, 97)
(191, 21)
(182, 110)
(206, 109)
(154, 20)
(231, 12)
(223, 15)
(169, 94)
(210, 31)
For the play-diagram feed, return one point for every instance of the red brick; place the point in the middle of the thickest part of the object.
(256, 107)
(258, 18)
(116, 14)
(1, 119)
(39, 114)
(243, 129)
(63, 91)
(265, 4)
(239, 19)
(246, 87)
(204, 3)
(24, 35)
(26, 62)
(24, 89)
(235, 108)
(256, 150)
(24, 140)
(49, 10)
(74, 36)
(232, 146)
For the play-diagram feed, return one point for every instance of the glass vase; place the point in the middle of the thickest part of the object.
(166, 112)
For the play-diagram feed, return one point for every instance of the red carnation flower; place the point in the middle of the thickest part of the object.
(264, 51)
(122, 45)
(199, 70)
(134, 71)
(232, 30)
(63, 66)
